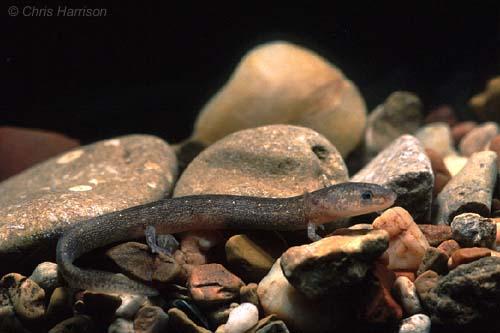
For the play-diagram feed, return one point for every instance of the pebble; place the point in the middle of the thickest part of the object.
(130, 305)
(455, 163)
(436, 136)
(467, 255)
(441, 173)
(462, 129)
(473, 230)
(333, 263)
(401, 113)
(407, 274)
(434, 259)
(248, 294)
(407, 244)
(435, 234)
(242, 318)
(121, 325)
(478, 138)
(101, 307)
(405, 293)
(28, 299)
(106, 176)
(150, 319)
(424, 284)
(486, 103)
(418, 323)
(180, 322)
(405, 168)
(194, 247)
(60, 305)
(219, 316)
(449, 246)
(190, 309)
(213, 284)
(470, 190)
(76, 324)
(277, 326)
(280, 83)
(20, 148)
(45, 275)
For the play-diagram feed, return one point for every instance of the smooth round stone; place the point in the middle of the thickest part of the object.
(467, 255)
(478, 138)
(436, 136)
(242, 318)
(473, 230)
(60, 305)
(487, 103)
(268, 161)
(45, 275)
(406, 295)
(282, 83)
(419, 323)
(130, 305)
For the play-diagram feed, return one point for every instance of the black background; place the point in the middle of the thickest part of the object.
(150, 69)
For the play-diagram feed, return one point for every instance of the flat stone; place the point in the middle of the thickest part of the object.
(405, 168)
(473, 230)
(405, 292)
(282, 83)
(461, 129)
(478, 138)
(435, 234)
(110, 175)
(180, 322)
(401, 113)
(150, 319)
(436, 136)
(418, 323)
(268, 161)
(470, 190)
(468, 255)
(434, 259)
(486, 104)
(333, 263)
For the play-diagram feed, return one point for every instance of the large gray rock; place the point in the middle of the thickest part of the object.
(473, 230)
(405, 168)
(36, 205)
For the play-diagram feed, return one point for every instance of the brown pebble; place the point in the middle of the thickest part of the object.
(435, 234)
(434, 259)
(495, 146)
(478, 139)
(425, 282)
(461, 129)
(150, 319)
(408, 274)
(180, 322)
(441, 173)
(443, 113)
(449, 246)
(467, 255)
(27, 297)
(248, 294)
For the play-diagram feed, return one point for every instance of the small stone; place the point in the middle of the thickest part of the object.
(405, 168)
(401, 113)
(76, 324)
(60, 305)
(473, 230)
(45, 275)
(10, 323)
(180, 322)
(443, 113)
(220, 315)
(191, 311)
(405, 292)
(130, 305)
(276, 326)
(468, 255)
(150, 319)
(435, 234)
(462, 129)
(282, 83)
(436, 136)
(407, 244)
(418, 323)
(487, 104)
(194, 247)
(407, 274)
(455, 163)
(248, 294)
(242, 318)
(101, 307)
(494, 145)
(213, 284)
(434, 259)
(425, 282)
(334, 262)
(449, 246)
(470, 190)
(478, 139)
(441, 174)
(27, 298)
(121, 325)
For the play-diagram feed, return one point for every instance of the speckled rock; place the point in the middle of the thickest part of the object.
(242, 318)
(434, 259)
(76, 324)
(282, 83)
(269, 161)
(478, 138)
(401, 113)
(45, 275)
(150, 319)
(470, 190)
(406, 294)
(473, 230)
(92, 180)
(435, 234)
(418, 323)
(405, 168)
(333, 263)
(180, 322)
(487, 103)
(461, 129)
(28, 299)
(436, 136)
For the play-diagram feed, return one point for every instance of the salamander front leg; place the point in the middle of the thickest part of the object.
(311, 231)
(167, 244)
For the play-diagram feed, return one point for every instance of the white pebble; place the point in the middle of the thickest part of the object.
(406, 293)
(130, 305)
(418, 323)
(45, 275)
(242, 318)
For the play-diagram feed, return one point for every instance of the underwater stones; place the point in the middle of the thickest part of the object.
(436, 136)
(467, 255)
(242, 318)
(435, 234)
(268, 161)
(478, 138)
(470, 190)
(406, 294)
(45, 275)
(441, 173)
(401, 113)
(418, 323)
(110, 175)
(280, 82)
(78, 323)
(487, 103)
(434, 259)
(150, 319)
(405, 168)
(473, 230)
(180, 322)
(333, 263)
(461, 129)
(26, 296)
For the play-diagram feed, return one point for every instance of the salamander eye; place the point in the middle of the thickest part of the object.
(366, 195)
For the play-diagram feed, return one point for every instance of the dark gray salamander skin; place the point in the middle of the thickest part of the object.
(204, 212)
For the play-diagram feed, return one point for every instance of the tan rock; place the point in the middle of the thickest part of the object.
(435, 234)
(478, 139)
(180, 322)
(436, 136)
(406, 294)
(150, 319)
(461, 129)
(28, 299)
(455, 163)
(449, 246)
(467, 255)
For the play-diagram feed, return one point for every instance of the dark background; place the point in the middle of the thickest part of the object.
(150, 69)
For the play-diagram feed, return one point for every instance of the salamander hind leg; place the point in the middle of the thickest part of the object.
(312, 231)
(167, 244)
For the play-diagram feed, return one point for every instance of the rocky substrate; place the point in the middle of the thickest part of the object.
(286, 122)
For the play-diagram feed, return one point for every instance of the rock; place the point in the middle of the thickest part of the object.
(60, 305)
(441, 174)
(404, 167)
(219, 316)
(136, 260)
(436, 136)
(425, 282)
(462, 129)
(401, 113)
(150, 319)
(26, 296)
(248, 294)
(470, 190)
(277, 326)
(406, 294)
(494, 144)
(130, 305)
(473, 230)
(20, 148)
(333, 263)
(435, 234)
(449, 246)
(36, 205)
(407, 244)
(487, 103)
(468, 255)
(247, 258)
(121, 325)
(455, 163)
(277, 296)
(467, 296)
(101, 307)
(478, 139)
(194, 247)
(443, 113)
(76, 324)
(407, 274)
(213, 284)
(269, 161)
(45, 275)
(278, 83)
(242, 318)
(265, 322)
(190, 309)
(435, 260)
(418, 323)
(179, 322)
